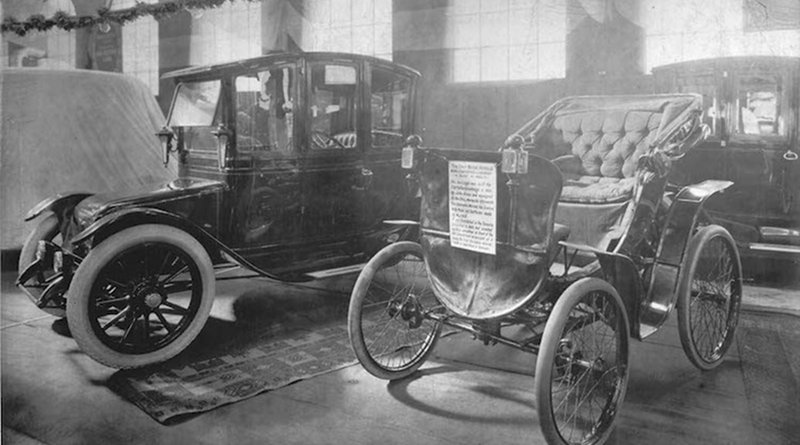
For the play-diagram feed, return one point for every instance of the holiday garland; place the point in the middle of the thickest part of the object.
(61, 19)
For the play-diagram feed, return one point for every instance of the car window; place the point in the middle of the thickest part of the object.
(264, 111)
(195, 113)
(758, 106)
(389, 102)
(705, 85)
(332, 106)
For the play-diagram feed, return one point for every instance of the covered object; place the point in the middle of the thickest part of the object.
(73, 130)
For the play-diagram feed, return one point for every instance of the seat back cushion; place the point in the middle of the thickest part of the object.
(601, 143)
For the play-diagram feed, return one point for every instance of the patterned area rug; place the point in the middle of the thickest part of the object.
(262, 364)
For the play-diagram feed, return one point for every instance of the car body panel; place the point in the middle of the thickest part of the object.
(752, 105)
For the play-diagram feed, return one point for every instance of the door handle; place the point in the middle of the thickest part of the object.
(366, 180)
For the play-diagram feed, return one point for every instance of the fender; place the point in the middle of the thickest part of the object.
(56, 203)
(144, 215)
(676, 233)
(621, 272)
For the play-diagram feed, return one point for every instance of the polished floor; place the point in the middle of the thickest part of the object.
(466, 394)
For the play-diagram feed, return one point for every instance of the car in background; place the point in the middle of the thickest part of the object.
(752, 105)
(288, 166)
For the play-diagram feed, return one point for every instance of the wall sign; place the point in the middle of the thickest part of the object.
(105, 48)
(473, 206)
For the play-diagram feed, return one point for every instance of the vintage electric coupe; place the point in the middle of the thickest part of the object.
(752, 105)
(288, 165)
(563, 244)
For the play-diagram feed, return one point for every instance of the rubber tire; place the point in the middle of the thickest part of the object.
(354, 314)
(78, 294)
(46, 230)
(696, 244)
(549, 344)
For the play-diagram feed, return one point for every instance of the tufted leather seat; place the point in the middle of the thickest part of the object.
(348, 140)
(598, 152)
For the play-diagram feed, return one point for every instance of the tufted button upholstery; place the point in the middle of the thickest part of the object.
(348, 140)
(598, 151)
(596, 189)
(608, 144)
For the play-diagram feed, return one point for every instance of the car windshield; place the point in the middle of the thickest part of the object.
(195, 104)
(195, 114)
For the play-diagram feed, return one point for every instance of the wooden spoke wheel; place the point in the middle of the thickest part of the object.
(141, 296)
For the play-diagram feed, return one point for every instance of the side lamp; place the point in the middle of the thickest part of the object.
(515, 158)
(165, 136)
(413, 143)
(223, 135)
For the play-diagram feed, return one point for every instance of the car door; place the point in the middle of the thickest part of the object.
(391, 121)
(332, 176)
(759, 145)
(268, 202)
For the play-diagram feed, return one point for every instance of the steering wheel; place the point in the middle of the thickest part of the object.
(321, 140)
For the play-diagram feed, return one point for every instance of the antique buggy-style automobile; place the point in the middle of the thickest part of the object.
(287, 166)
(563, 244)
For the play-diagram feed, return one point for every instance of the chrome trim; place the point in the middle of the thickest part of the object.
(774, 248)
(337, 271)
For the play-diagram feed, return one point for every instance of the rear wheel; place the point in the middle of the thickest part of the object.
(387, 322)
(141, 296)
(709, 296)
(582, 367)
(46, 230)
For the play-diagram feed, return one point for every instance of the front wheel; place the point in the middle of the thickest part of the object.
(709, 296)
(389, 329)
(582, 367)
(141, 296)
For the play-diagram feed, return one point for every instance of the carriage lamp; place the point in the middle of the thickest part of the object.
(223, 140)
(515, 159)
(413, 142)
(165, 136)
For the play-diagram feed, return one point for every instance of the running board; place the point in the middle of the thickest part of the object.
(774, 248)
(337, 271)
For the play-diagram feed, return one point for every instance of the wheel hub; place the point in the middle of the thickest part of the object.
(411, 312)
(153, 300)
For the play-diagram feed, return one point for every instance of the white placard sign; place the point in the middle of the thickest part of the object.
(473, 205)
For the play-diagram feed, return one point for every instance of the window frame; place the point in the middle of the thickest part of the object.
(358, 94)
(294, 89)
(216, 120)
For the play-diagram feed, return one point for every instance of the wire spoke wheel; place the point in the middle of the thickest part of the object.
(710, 293)
(389, 330)
(141, 296)
(582, 368)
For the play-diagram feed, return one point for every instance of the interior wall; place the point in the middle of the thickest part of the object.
(604, 56)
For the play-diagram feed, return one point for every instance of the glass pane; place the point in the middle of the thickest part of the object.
(195, 104)
(705, 85)
(494, 29)
(389, 108)
(332, 107)
(264, 111)
(522, 61)
(466, 64)
(552, 60)
(494, 64)
(758, 106)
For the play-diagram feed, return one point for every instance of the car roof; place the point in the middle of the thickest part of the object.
(734, 62)
(247, 65)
